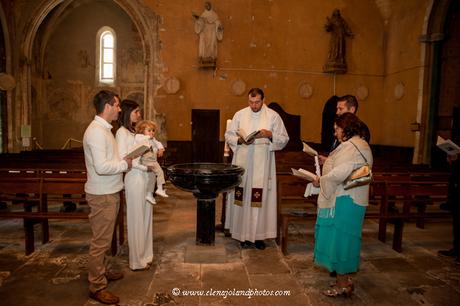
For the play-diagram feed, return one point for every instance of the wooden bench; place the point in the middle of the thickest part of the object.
(38, 192)
(292, 206)
(407, 193)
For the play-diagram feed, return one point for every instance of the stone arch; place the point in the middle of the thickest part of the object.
(142, 17)
(432, 38)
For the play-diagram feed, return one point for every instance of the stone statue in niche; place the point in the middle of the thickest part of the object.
(210, 30)
(339, 32)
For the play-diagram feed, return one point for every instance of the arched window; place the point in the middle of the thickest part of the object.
(107, 55)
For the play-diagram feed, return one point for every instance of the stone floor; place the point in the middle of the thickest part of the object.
(55, 274)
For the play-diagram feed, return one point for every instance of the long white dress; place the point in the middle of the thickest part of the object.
(248, 217)
(138, 211)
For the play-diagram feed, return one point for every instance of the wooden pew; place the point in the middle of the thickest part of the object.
(407, 193)
(292, 206)
(37, 192)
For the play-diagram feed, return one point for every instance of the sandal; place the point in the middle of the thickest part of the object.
(334, 284)
(336, 291)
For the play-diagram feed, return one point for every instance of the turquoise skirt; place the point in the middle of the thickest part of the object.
(338, 236)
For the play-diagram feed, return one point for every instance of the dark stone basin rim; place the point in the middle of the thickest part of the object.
(195, 169)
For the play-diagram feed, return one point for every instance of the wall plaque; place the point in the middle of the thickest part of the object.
(362, 92)
(238, 88)
(400, 90)
(305, 90)
(172, 85)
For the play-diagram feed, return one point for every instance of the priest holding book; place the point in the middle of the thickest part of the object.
(251, 207)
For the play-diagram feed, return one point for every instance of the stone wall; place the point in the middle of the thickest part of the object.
(65, 79)
(278, 45)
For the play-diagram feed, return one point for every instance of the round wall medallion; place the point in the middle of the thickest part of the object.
(305, 90)
(400, 90)
(7, 82)
(362, 92)
(172, 85)
(238, 88)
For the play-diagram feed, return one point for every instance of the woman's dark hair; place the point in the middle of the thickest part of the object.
(127, 107)
(351, 126)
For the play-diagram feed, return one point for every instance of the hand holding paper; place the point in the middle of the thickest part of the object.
(447, 146)
(305, 174)
(312, 152)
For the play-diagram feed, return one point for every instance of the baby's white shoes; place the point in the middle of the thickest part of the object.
(161, 193)
(151, 199)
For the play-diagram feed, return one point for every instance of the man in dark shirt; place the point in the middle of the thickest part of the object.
(347, 104)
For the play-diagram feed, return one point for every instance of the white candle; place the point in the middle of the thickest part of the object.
(318, 169)
(227, 147)
(229, 121)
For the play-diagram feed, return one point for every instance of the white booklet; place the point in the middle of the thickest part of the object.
(305, 174)
(138, 150)
(448, 146)
(309, 150)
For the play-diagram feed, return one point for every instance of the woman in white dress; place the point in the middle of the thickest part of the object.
(138, 211)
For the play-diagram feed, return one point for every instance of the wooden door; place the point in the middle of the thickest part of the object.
(205, 135)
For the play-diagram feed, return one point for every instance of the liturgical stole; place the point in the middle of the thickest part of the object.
(255, 155)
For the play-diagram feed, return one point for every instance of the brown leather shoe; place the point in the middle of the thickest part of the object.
(141, 269)
(104, 296)
(113, 275)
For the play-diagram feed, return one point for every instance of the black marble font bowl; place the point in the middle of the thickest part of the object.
(205, 180)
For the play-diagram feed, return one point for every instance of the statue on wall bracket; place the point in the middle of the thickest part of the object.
(337, 26)
(210, 30)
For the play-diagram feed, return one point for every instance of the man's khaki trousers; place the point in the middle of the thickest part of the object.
(102, 218)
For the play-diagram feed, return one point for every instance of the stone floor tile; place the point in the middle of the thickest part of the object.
(57, 271)
(264, 261)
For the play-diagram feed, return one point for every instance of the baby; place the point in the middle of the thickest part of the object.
(145, 130)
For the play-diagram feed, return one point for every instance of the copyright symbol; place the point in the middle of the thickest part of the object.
(175, 291)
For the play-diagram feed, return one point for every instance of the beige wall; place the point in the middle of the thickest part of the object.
(404, 63)
(273, 44)
(276, 45)
(67, 80)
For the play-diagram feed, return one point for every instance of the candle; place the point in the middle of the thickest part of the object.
(227, 147)
(229, 121)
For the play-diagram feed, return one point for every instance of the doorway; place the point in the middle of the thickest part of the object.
(205, 135)
(447, 90)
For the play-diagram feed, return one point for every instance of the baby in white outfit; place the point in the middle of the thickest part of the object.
(145, 130)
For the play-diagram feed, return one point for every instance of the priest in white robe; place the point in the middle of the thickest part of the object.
(251, 207)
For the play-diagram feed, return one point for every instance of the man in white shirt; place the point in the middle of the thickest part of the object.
(104, 182)
(251, 209)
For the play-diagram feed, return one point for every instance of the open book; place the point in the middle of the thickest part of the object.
(305, 174)
(448, 146)
(247, 138)
(138, 150)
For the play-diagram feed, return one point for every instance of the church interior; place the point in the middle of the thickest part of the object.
(400, 59)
